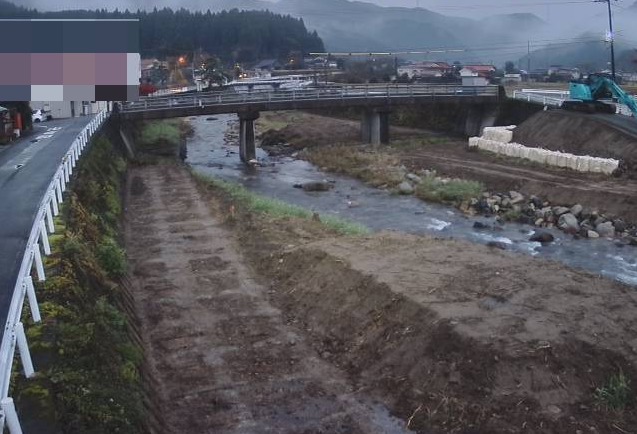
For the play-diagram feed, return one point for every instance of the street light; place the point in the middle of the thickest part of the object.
(610, 37)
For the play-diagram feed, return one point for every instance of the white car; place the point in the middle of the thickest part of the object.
(40, 115)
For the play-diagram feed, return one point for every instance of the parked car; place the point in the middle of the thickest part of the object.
(40, 115)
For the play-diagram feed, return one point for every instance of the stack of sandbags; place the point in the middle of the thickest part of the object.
(503, 146)
(498, 134)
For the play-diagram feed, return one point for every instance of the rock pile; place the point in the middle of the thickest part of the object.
(574, 220)
(514, 206)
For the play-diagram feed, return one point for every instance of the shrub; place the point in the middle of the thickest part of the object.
(111, 257)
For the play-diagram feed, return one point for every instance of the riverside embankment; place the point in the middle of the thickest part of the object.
(210, 154)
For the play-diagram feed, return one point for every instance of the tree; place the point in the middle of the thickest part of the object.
(213, 71)
(509, 68)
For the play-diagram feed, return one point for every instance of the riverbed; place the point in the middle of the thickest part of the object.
(208, 154)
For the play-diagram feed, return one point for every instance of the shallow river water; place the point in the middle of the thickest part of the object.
(381, 210)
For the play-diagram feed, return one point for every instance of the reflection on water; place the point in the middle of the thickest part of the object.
(380, 210)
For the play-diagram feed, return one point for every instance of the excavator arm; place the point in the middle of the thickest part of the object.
(622, 96)
(586, 96)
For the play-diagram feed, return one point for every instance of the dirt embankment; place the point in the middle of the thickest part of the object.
(457, 344)
(453, 337)
(596, 135)
(222, 357)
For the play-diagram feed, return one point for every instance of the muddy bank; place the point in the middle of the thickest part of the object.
(454, 343)
(222, 356)
(581, 134)
(451, 336)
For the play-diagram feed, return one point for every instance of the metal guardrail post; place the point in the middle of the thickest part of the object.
(11, 416)
(39, 266)
(45, 238)
(54, 200)
(23, 349)
(49, 216)
(33, 301)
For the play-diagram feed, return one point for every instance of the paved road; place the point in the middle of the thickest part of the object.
(26, 169)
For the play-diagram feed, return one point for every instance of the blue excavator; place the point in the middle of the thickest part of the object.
(586, 96)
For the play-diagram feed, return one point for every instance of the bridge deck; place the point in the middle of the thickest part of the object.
(322, 97)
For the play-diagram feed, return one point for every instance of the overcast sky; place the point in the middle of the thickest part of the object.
(573, 15)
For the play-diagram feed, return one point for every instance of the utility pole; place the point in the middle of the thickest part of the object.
(611, 36)
(528, 58)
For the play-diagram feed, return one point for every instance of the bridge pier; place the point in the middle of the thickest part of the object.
(479, 117)
(247, 146)
(375, 126)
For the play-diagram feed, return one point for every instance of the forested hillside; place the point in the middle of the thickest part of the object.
(234, 35)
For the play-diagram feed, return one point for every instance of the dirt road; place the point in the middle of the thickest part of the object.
(223, 359)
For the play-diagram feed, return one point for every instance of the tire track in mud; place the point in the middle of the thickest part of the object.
(223, 359)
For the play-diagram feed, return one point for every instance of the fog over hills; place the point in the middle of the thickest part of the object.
(575, 32)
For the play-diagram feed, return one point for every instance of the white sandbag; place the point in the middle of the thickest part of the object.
(474, 142)
(595, 165)
(571, 161)
(583, 163)
(551, 158)
(562, 160)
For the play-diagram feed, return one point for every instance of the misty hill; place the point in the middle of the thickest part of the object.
(351, 26)
(237, 36)
(590, 55)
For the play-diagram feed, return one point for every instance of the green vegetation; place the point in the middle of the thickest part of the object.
(375, 168)
(452, 191)
(275, 208)
(616, 394)
(88, 365)
(159, 131)
(159, 139)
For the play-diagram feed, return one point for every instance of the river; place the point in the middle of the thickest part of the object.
(380, 210)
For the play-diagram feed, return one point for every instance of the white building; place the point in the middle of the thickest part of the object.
(471, 78)
(69, 109)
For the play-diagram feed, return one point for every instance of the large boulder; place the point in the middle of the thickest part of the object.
(605, 229)
(516, 197)
(542, 237)
(577, 209)
(315, 186)
(560, 210)
(414, 178)
(405, 188)
(568, 223)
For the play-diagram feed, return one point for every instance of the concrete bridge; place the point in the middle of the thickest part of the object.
(376, 100)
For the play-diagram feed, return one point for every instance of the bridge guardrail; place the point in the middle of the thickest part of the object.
(38, 243)
(540, 96)
(319, 93)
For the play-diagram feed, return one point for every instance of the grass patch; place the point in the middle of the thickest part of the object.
(276, 208)
(415, 144)
(159, 131)
(616, 394)
(374, 168)
(453, 191)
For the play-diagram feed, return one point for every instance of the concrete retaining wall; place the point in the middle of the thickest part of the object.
(498, 141)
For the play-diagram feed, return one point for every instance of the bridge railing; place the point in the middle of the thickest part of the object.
(37, 246)
(306, 94)
(554, 98)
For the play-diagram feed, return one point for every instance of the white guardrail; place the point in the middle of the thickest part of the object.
(37, 243)
(220, 98)
(555, 98)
